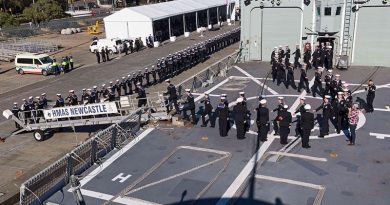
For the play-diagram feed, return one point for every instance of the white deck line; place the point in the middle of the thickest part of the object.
(298, 156)
(379, 136)
(289, 181)
(212, 89)
(382, 109)
(242, 77)
(119, 200)
(256, 81)
(114, 157)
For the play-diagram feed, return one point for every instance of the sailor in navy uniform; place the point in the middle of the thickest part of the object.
(278, 109)
(207, 110)
(248, 113)
(297, 56)
(327, 113)
(328, 80)
(287, 56)
(239, 113)
(15, 110)
(172, 96)
(298, 113)
(44, 100)
(285, 120)
(262, 120)
(60, 101)
(303, 80)
(222, 112)
(371, 88)
(189, 104)
(142, 101)
(307, 124)
(317, 85)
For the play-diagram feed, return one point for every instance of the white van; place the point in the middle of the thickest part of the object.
(115, 45)
(33, 63)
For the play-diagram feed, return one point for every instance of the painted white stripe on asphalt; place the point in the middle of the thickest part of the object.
(114, 157)
(212, 89)
(298, 156)
(255, 80)
(289, 181)
(379, 136)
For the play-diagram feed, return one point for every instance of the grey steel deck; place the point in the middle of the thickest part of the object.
(170, 165)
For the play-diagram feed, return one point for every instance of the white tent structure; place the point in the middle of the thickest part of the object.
(164, 20)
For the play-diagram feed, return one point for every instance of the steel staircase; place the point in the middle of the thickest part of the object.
(347, 28)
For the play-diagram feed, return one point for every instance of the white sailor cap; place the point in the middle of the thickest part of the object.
(307, 107)
(138, 83)
(84, 89)
(58, 94)
(103, 85)
(280, 98)
(167, 80)
(110, 82)
(276, 48)
(15, 103)
(109, 87)
(239, 100)
(345, 90)
(337, 75)
(37, 97)
(223, 98)
(285, 106)
(71, 91)
(94, 86)
(263, 101)
(31, 97)
(23, 99)
(117, 80)
(280, 46)
(188, 90)
(327, 96)
(43, 94)
(302, 98)
(152, 66)
(330, 71)
(89, 89)
(340, 93)
(123, 77)
(128, 75)
(224, 95)
(241, 93)
(342, 82)
(146, 68)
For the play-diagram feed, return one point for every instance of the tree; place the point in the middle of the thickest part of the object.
(43, 10)
(7, 19)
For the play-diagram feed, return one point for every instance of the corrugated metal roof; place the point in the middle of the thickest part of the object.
(163, 10)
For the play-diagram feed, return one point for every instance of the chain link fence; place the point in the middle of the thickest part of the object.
(208, 76)
(52, 179)
(53, 26)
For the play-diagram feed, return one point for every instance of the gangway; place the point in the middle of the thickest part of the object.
(39, 121)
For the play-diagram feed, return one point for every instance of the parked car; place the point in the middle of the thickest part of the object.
(114, 45)
(34, 64)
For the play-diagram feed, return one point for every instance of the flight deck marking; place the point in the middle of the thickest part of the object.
(120, 200)
(212, 89)
(321, 189)
(298, 156)
(255, 80)
(114, 157)
(121, 177)
(379, 136)
(243, 176)
(129, 189)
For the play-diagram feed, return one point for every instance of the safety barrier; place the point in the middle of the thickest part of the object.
(52, 179)
(208, 75)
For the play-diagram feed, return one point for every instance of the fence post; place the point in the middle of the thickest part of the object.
(93, 151)
(22, 193)
(69, 168)
(113, 137)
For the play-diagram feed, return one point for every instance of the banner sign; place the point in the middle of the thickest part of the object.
(81, 110)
